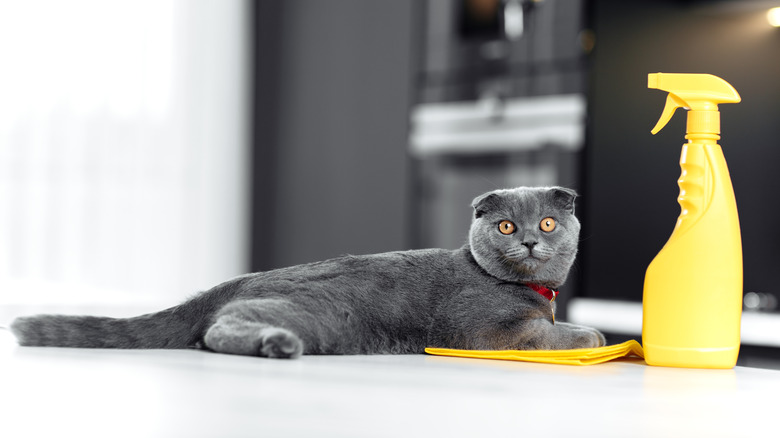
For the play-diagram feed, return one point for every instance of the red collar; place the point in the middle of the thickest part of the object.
(543, 291)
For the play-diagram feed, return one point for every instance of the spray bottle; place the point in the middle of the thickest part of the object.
(692, 302)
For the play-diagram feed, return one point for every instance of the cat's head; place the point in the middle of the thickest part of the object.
(527, 234)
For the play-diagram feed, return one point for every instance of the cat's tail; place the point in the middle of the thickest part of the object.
(180, 326)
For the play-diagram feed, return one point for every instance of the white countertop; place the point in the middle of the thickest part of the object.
(53, 392)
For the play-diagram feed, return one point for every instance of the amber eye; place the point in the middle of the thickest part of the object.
(506, 227)
(547, 224)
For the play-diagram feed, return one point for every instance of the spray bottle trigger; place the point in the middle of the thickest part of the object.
(672, 103)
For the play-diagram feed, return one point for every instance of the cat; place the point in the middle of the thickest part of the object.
(494, 293)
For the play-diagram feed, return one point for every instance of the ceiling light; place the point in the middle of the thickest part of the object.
(773, 16)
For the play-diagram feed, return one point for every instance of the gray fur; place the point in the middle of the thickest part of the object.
(392, 303)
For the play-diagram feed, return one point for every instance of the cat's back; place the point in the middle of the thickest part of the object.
(412, 268)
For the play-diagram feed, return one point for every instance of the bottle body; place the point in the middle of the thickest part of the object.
(692, 304)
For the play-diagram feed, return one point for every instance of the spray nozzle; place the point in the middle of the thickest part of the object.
(699, 93)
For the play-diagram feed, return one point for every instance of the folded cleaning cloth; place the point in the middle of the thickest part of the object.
(580, 356)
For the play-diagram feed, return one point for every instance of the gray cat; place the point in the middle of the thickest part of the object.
(494, 293)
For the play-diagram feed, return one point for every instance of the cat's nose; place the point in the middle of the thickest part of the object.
(530, 244)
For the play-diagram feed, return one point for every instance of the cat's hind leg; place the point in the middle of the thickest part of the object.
(233, 334)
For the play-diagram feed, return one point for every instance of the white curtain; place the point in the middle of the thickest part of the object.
(123, 149)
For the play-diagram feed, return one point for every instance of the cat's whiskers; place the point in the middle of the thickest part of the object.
(517, 252)
(543, 253)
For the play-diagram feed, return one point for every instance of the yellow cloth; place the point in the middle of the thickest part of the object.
(580, 356)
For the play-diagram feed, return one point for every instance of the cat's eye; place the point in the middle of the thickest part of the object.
(547, 224)
(506, 227)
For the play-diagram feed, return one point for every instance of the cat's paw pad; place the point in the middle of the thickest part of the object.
(280, 343)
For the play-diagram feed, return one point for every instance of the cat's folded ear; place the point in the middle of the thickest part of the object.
(564, 198)
(484, 203)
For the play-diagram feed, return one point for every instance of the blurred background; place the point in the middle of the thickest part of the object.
(152, 149)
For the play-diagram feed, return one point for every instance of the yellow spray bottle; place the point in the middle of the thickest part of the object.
(692, 302)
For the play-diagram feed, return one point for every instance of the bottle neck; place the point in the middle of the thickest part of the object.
(702, 138)
(703, 126)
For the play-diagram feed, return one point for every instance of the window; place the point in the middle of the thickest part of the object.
(123, 149)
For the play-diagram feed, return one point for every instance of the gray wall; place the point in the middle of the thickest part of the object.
(333, 96)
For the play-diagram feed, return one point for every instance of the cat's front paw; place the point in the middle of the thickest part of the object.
(583, 336)
(597, 339)
(591, 338)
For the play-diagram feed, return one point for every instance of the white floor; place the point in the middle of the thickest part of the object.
(50, 392)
